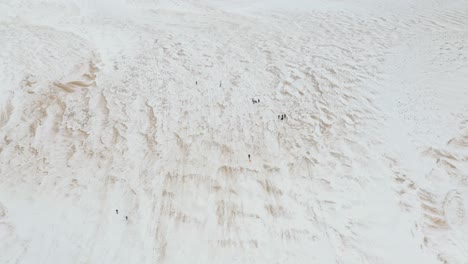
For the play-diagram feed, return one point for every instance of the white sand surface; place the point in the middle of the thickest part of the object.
(145, 107)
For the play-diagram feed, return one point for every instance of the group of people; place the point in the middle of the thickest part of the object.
(117, 212)
(255, 101)
(282, 116)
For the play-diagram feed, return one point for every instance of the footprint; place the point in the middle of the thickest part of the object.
(2, 211)
(454, 209)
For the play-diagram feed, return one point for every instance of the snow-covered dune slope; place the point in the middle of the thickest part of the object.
(146, 107)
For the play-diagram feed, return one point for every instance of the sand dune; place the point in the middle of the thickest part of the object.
(128, 132)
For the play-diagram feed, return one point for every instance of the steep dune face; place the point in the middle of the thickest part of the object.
(215, 132)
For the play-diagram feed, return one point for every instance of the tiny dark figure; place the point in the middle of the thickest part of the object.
(126, 218)
(249, 156)
(196, 82)
(258, 100)
(282, 117)
(116, 211)
(219, 83)
(278, 116)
